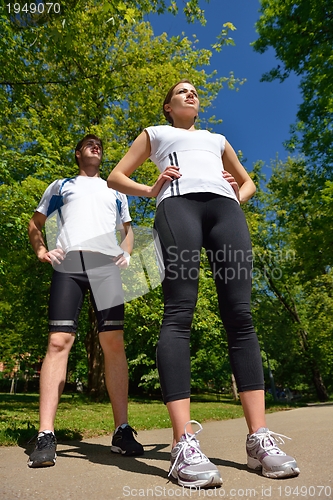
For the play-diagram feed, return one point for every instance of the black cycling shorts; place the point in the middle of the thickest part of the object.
(79, 272)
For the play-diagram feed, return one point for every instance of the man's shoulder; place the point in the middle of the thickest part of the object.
(60, 182)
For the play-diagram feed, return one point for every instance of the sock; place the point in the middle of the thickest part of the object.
(122, 426)
(47, 431)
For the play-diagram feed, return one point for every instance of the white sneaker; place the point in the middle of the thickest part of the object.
(190, 466)
(263, 453)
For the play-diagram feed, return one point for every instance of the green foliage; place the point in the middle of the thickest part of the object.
(142, 324)
(293, 293)
(79, 418)
(97, 68)
(210, 365)
(103, 71)
(301, 34)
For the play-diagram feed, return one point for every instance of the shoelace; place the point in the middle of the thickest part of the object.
(35, 437)
(45, 441)
(129, 429)
(190, 447)
(126, 430)
(269, 443)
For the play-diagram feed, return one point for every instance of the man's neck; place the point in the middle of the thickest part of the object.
(89, 171)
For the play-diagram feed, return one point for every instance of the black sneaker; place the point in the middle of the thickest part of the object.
(44, 454)
(124, 442)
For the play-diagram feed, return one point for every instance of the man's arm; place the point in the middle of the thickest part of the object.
(127, 237)
(35, 227)
(127, 242)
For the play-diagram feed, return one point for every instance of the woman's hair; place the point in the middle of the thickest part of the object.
(168, 99)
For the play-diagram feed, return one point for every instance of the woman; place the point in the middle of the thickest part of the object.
(198, 206)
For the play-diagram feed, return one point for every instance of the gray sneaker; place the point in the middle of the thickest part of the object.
(263, 453)
(190, 466)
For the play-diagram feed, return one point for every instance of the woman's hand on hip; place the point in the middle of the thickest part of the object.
(169, 174)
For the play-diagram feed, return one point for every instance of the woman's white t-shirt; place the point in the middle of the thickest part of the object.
(197, 153)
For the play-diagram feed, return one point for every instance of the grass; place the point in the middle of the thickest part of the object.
(79, 418)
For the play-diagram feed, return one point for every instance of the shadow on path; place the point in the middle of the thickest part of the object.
(101, 454)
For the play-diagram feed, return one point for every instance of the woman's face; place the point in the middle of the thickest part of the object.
(184, 101)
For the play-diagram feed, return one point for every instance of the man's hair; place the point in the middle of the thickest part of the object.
(168, 99)
(82, 141)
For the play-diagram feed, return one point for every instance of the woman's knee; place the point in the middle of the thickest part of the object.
(237, 318)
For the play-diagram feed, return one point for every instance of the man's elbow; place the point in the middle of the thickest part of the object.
(31, 226)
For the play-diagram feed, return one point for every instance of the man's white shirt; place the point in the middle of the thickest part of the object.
(89, 216)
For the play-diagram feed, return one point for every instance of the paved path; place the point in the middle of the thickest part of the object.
(88, 470)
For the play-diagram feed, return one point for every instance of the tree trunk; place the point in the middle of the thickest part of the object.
(234, 388)
(303, 335)
(96, 381)
(319, 385)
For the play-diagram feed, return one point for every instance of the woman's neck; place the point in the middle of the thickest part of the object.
(185, 124)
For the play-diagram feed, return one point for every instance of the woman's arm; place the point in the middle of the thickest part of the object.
(232, 165)
(138, 153)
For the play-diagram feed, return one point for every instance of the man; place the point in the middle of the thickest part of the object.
(86, 255)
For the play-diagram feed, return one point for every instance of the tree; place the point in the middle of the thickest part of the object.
(293, 278)
(299, 204)
(301, 33)
(97, 69)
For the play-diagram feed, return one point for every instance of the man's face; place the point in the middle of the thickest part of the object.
(91, 148)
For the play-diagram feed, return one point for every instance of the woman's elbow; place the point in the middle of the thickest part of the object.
(111, 181)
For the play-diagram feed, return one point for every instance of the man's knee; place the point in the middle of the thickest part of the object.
(112, 340)
(60, 342)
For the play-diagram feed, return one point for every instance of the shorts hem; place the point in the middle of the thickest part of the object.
(176, 397)
(252, 388)
(62, 329)
(112, 328)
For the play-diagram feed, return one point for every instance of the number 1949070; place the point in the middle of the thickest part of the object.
(34, 8)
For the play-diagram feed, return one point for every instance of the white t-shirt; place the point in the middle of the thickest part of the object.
(197, 153)
(89, 217)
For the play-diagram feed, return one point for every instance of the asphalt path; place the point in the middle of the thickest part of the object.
(88, 470)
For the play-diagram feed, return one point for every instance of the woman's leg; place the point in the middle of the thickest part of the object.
(228, 247)
(179, 228)
(253, 403)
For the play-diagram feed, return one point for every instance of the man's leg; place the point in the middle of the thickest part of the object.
(66, 296)
(53, 377)
(116, 373)
(106, 288)
(116, 379)
(52, 382)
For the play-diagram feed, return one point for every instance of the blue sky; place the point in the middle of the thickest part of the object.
(256, 119)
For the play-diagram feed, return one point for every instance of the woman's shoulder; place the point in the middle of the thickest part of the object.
(160, 128)
(216, 134)
(159, 131)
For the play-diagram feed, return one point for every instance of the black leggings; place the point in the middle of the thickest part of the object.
(185, 224)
